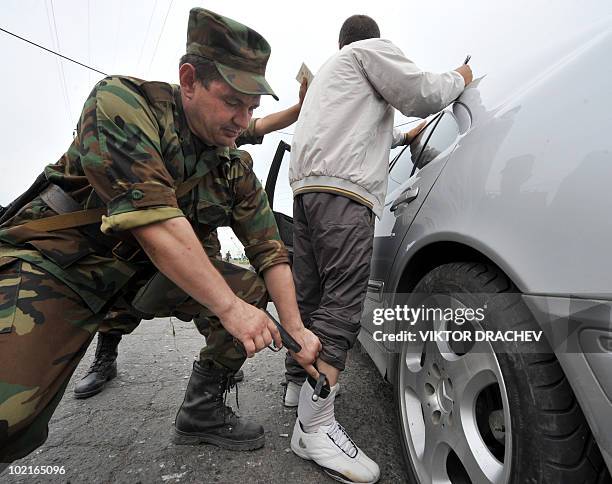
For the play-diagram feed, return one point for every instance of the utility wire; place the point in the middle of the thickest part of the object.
(53, 52)
(146, 35)
(105, 74)
(60, 63)
(159, 37)
(57, 62)
(116, 50)
(89, 39)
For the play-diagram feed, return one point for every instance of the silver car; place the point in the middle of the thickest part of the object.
(502, 204)
(505, 201)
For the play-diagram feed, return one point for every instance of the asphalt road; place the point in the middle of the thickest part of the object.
(123, 435)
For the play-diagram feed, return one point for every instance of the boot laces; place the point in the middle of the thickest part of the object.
(105, 354)
(228, 383)
(342, 440)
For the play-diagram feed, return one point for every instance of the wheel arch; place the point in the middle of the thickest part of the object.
(436, 254)
(424, 260)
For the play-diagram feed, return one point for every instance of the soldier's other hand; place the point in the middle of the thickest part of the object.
(466, 72)
(249, 325)
(303, 89)
(311, 347)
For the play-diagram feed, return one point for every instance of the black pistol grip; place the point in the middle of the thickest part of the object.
(286, 338)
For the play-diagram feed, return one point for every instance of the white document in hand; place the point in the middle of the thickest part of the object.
(304, 72)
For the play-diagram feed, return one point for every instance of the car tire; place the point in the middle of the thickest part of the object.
(523, 426)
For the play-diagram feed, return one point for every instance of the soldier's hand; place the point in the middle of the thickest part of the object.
(250, 326)
(311, 347)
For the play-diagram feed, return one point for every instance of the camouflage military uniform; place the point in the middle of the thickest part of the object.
(132, 151)
(121, 320)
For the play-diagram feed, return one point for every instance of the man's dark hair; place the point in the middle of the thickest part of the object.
(205, 70)
(358, 27)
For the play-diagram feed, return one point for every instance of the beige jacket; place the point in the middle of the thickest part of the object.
(345, 128)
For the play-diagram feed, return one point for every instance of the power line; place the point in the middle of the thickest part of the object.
(105, 74)
(61, 65)
(53, 52)
(116, 49)
(57, 63)
(159, 37)
(146, 35)
(89, 38)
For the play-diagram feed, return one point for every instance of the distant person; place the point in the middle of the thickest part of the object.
(338, 173)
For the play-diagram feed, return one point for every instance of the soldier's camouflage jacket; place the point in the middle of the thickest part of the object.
(132, 149)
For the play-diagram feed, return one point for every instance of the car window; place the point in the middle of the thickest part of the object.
(283, 195)
(394, 152)
(443, 137)
(403, 164)
(463, 117)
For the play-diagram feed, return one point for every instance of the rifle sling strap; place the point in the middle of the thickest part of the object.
(70, 215)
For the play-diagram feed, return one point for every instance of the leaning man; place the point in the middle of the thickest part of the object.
(148, 177)
(338, 173)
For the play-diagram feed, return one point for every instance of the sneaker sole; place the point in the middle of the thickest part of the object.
(330, 472)
(340, 478)
(182, 438)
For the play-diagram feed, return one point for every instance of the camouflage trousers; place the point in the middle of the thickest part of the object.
(120, 319)
(45, 329)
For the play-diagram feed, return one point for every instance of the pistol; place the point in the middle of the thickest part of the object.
(286, 338)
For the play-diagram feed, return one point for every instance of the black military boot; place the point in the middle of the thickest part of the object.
(103, 368)
(204, 417)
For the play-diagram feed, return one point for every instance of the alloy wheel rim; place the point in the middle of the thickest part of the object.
(440, 393)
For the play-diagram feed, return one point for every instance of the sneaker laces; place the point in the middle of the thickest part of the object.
(342, 440)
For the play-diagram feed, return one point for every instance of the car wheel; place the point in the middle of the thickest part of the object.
(490, 412)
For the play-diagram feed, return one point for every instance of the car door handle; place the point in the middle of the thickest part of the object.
(407, 196)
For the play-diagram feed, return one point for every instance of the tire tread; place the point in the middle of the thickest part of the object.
(572, 455)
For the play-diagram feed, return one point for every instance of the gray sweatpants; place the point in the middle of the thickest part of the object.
(332, 244)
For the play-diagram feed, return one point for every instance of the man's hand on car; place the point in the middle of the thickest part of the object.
(250, 326)
(466, 72)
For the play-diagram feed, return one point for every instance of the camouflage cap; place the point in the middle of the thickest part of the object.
(239, 53)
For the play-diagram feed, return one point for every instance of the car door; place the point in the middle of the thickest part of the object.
(282, 206)
(412, 175)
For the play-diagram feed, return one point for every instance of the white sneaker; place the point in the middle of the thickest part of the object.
(336, 453)
(292, 394)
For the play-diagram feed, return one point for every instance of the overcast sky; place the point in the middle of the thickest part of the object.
(42, 95)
